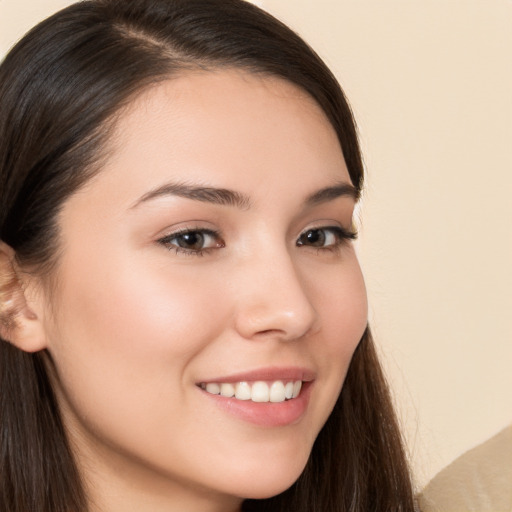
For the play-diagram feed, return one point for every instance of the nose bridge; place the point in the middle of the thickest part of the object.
(273, 300)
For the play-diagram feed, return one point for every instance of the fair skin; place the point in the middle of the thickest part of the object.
(162, 289)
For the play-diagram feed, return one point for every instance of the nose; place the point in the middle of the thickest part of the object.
(273, 300)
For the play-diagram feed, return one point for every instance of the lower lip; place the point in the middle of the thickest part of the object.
(266, 414)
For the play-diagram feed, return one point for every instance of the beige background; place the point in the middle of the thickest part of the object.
(430, 82)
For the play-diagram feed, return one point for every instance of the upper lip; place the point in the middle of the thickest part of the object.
(289, 373)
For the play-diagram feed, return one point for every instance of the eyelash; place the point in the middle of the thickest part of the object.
(343, 236)
(181, 233)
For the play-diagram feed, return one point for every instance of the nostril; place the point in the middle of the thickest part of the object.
(272, 334)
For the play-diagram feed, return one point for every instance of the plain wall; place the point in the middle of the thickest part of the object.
(430, 82)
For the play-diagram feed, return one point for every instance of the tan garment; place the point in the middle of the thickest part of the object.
(479, 480)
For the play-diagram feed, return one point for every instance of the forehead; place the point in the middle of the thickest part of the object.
(223, 128)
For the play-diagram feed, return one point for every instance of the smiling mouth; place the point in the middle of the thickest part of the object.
(259, 391)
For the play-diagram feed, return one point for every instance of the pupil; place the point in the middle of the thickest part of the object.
(191, 240)
(315, 237)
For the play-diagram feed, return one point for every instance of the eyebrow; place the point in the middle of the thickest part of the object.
(226, 197)
(220, 196)
(326, 194)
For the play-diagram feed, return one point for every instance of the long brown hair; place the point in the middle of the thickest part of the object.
(61, 88)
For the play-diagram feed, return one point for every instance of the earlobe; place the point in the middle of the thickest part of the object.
(19, 324)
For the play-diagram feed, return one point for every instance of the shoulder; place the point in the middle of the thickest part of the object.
(479, 480)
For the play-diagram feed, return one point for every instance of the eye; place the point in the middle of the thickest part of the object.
(192, 241)
(326, 237)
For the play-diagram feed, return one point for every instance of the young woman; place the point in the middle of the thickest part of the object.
(183, 317)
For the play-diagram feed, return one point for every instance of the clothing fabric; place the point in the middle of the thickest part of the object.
(479, 480)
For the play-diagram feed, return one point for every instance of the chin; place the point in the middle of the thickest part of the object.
(270, 480)
(264, 490)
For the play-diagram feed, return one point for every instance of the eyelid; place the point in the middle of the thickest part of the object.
(169, 237)
(343, 235)
(350, 233)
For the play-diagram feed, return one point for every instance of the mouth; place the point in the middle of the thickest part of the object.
(265, 397)
(276, 391)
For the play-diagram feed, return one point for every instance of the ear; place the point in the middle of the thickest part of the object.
(19, 324)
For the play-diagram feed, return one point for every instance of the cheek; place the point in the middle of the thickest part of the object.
(123, 343)
(129, 333)
(136, 309)
(344, 310)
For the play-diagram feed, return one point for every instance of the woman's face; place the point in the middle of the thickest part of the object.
(211, 253)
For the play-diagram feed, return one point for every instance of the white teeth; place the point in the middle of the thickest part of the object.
(227, 389)
(296, 388)
(258, 391)
(243, 391)
(288, 390)
(277, 392)
(213, 388)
